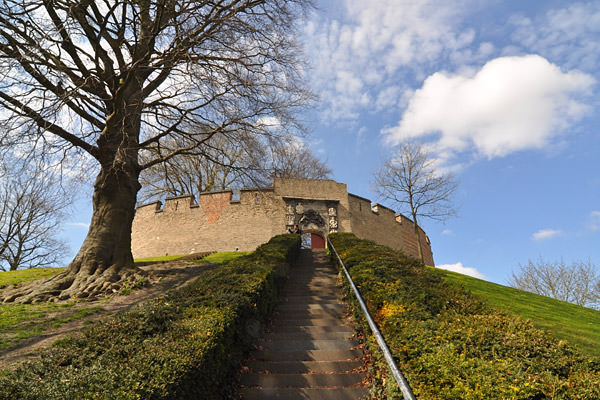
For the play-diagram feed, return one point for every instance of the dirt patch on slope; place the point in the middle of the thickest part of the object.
(162, 278)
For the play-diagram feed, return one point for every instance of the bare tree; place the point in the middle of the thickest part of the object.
(127, 82)
(230, 164)
(32, 207)
(411, 182)
(226, 163)
(578, 282)
(295, 160)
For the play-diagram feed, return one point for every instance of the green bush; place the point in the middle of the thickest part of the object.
(187, 344)
(449, 344)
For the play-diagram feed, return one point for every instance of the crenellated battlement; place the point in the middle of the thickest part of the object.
(217, 221)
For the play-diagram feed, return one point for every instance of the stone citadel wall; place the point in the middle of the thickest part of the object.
(217, 222)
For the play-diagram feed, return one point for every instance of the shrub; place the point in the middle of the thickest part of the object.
(449, 344)
(187, 344)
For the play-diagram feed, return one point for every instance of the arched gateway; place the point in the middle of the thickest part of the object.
(313, 240)
(216, 222)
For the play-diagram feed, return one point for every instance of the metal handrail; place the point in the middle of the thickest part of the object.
(400, 380)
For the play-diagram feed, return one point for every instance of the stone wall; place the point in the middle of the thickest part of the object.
(217, 223)
(214, 223)
(384, 226)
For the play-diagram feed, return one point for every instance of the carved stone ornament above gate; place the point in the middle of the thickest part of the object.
(311, 217)
(290, 219)
(333, 224)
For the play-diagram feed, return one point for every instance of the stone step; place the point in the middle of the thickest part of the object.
(303, 367)
(307, 344)
(327, 278)
(277, 322)
(312, 273)
(302, 380)
(309, 299)
(317, 270)
(308, 273)
(311, 306)
(319, 308)
(306, 355)
(295, 335)
(313, 329)
(312, 292)
(308, 315)
(309, 277)
(309, 351)
(311, 287)
(328, 290)
(294, 303)
(304, 393)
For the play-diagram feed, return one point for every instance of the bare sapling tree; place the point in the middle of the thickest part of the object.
(32, 207)
(411, 181)
(132, 84)
(577, 283)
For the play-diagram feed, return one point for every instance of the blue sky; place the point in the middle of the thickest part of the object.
(504, 94)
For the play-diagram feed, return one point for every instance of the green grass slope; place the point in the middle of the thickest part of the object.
(578, 325)
(22, 321)
(26, 275)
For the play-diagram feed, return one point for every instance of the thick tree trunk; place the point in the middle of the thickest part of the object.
(105, 256)
(104, 260)
(418, 235)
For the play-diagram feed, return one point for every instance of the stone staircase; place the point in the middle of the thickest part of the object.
(309, 351)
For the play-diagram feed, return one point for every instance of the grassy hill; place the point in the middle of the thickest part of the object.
(578, 325)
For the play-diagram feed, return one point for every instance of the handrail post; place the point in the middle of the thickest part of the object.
(387, 354)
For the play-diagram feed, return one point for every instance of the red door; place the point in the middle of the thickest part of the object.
(316, 241)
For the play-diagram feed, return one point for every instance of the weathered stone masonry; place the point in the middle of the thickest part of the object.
(218, 223)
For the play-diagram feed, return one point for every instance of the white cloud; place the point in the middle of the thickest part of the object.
(568, 35)
(510, 104)
(388, 98)
(358, 53)
(459, 268)
(544, 234)
(447, 232)
(364, 57)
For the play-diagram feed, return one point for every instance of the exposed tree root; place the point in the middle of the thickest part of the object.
(72, 285)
